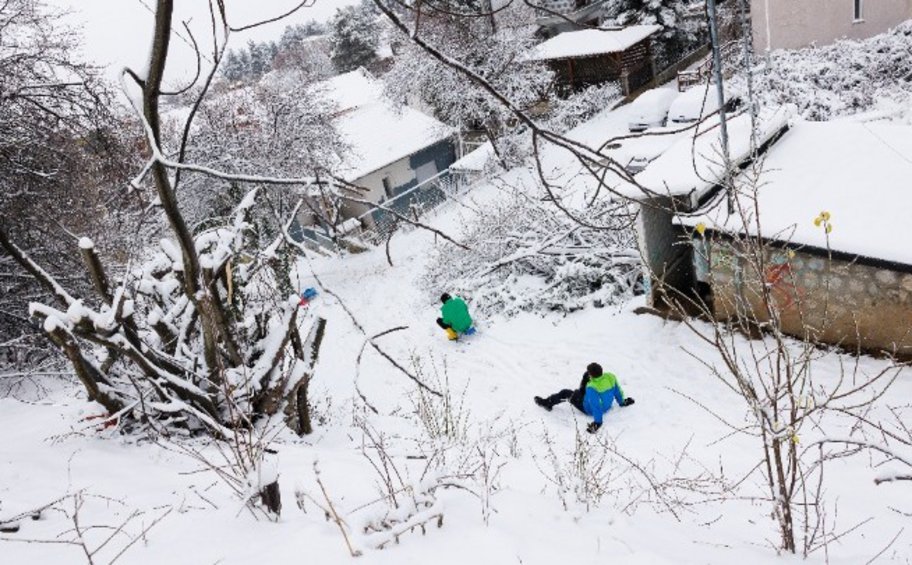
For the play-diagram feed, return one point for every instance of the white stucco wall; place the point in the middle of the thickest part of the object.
(789, 24)
(399, 174)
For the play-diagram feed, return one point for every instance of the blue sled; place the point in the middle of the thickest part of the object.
(308, 295)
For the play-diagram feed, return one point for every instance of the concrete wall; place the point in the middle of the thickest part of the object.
(789, 24)
(666, 255)
(836, 302)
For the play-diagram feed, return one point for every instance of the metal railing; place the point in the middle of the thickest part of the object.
(378, 223)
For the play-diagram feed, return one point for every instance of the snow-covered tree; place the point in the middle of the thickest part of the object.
(63, 160)
(354, 37)
(251, 62)
(305, 48)
(293, 50)
(682, 28)
(277, 127)
(497, 55)
(203, 333)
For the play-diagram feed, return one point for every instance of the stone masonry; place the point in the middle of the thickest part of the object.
(846, 303)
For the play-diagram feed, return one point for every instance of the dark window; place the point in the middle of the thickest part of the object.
(387, 187)
(857, 12)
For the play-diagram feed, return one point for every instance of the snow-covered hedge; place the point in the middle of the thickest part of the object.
(844, 78)
(568, 113)
(526, 255)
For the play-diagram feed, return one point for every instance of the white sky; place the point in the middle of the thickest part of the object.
(117, 33)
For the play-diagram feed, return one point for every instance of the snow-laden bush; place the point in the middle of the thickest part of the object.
(844, 78)
(568, 113)
(526, 255)
(232, 354)
(514, 145)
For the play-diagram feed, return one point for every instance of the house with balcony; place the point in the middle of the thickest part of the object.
(393, 154)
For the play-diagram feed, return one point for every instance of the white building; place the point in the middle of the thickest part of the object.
(390, 150)
(790, 24)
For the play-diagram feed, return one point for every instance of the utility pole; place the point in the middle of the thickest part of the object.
(747, 48)
(720, 92)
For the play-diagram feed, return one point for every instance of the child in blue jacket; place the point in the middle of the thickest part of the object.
(594, 396)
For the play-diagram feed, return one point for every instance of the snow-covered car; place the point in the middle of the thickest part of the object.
(686, 107)
(650, 109)
(636, 164)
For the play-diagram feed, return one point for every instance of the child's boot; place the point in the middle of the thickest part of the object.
(451, 334)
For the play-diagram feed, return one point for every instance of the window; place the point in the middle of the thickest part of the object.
(857, 14)
(387, 187)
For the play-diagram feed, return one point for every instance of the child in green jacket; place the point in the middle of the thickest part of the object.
(454, 317)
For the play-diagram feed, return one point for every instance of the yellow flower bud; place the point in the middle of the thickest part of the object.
(791, 254)
(795, 439)
(825, 215)
(817, 221)
(701, 227)
(829, 228)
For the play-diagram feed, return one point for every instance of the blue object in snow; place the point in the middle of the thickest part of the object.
(470, 331)
(307, 296)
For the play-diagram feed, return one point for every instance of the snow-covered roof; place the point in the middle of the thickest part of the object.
(351, 89)
(858, 172)
(693, 165)
(589, 42)
(475, 160)
(377, 133)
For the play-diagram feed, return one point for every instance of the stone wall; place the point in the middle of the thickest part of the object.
(832, 301)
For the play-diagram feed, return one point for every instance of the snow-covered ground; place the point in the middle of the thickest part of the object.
(650, 488)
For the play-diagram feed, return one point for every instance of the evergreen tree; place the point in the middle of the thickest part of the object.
(679, 34)
(354, 37)
(295, 34)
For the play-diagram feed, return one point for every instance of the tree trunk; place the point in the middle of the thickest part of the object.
(271, 497)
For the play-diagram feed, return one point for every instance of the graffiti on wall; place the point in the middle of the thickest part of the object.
(781, 278)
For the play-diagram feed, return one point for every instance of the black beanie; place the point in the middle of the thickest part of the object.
(594, 370)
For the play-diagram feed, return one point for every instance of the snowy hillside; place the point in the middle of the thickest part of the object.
(226, 329)
(660, 483)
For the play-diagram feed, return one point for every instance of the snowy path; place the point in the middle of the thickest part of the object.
(509, 361)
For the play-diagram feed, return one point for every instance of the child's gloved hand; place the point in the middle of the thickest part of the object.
(627, 402)
(593, 427)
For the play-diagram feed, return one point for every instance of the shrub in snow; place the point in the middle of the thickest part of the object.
(230, 354)
(844, 78)
(566, 114)
(525, 255)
